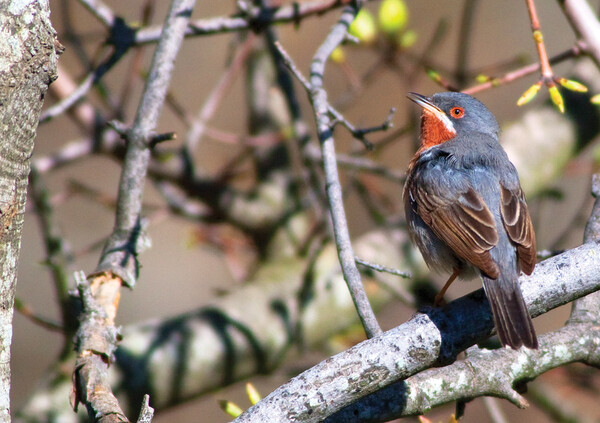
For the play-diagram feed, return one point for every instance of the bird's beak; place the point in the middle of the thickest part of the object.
(434, 110)
(425, 103)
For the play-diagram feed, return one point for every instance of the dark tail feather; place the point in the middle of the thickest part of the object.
(512, 320)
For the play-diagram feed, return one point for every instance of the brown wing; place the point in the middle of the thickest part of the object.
(517, 223)
(465, 224)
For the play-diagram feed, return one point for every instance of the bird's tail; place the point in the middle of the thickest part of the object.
(512, 320)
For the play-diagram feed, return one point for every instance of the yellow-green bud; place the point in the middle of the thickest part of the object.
(338, 55)
(364, 27)
(529, 94)
(556, 98)
(407, 38)
(434, 76)
(230, 408)
(569, 84)
(252, 393)
(393, 16)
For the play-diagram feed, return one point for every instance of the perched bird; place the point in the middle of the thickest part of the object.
(466, 211)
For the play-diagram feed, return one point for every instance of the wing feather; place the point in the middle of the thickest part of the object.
(517, 222)
(465, 223)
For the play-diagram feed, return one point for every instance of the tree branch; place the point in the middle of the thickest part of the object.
(97, 336)
(318, 97)
(585, 22)
(432, 337)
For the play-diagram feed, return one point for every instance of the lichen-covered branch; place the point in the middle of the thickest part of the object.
(186, 356)
(432, 337)
(483, 372)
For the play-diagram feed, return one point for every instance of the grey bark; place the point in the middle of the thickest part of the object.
(28, 54)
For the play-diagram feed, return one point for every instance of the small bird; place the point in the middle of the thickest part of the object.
(466, 211)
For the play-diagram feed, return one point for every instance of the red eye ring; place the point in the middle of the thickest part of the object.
(457, 112)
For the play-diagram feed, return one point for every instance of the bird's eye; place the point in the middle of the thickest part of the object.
(457, 112)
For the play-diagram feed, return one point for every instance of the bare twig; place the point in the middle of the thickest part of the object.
(257, 19)
(28, 312)
(466, 28)
(358, 133)
(84, 87)
(58, 255)
(380, 268)
(318, 97)
(358, 163)
(209, 107)
(101, 11)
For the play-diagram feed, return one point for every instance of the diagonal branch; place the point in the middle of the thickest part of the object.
(318, 97)
(585, 22)
(432, 337)
(97, 336)
(577, 341)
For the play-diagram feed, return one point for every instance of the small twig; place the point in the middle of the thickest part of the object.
(266, 16)
(84, 87)
(436, 77)
(361, 132)
(547, 73)
(101, 11)
(381, 268)
(44, 322)
(574, 51)
(359, 164)
(153, 139)
(208, 109)
(338, 117)
(465, 38)
(318, 97)
(146, 412)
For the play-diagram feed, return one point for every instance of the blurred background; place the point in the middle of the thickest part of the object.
(187, 266)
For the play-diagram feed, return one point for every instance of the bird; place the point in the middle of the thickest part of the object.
(466, 211)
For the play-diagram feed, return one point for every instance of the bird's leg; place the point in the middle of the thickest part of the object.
(439, 298)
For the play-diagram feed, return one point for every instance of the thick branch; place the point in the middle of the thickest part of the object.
(483, 372)
(246, 332)
(432, 337)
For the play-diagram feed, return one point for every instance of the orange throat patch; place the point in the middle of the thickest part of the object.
(434, 131)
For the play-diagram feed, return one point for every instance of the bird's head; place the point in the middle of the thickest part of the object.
(448, 114)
